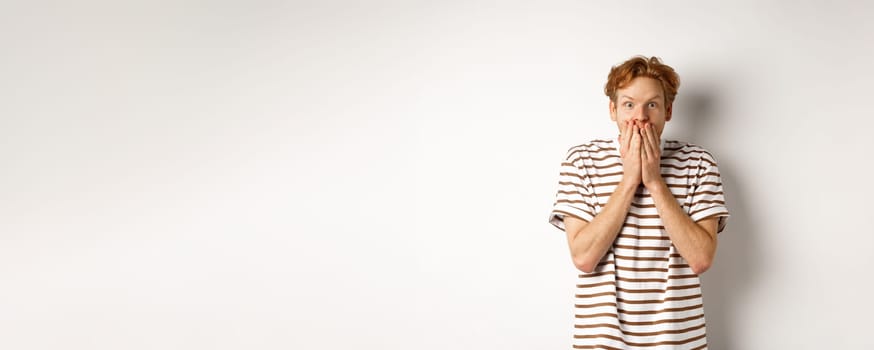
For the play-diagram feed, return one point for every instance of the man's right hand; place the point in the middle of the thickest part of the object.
(590, 241)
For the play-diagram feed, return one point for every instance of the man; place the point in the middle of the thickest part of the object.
(641, 217)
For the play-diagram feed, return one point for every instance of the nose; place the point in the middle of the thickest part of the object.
(640, 114)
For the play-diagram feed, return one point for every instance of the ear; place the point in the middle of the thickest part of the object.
(669, 112)
(612, 111)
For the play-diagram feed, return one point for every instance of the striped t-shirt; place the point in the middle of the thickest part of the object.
(643, 294)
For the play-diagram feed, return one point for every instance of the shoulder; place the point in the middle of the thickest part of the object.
(591, 148)
(689, 151)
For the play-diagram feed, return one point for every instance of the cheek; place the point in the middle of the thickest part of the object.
(623, 116)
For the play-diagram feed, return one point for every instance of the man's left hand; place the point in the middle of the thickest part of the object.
(650, 157)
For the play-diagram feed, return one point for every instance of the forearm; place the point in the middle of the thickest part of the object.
(595, 238)
(693, 242)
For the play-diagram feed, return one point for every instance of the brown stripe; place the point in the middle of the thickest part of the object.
(678, 266)
(642, 280)
(569, 183)
(707, 208)
(688, 167)
(606, 166)
(607, 314)
(702, 201)
(669, 331)
(590, 336)
(597, 274)
(599, 346)
(655, 312)
(609, 174)
(678, 151)
(578, 157)
(572, 201)
(575, 201)
(691, 159)
(659, 238)
(644, 227)
(605, 184)
(642, 248)
(586, 306)
(572, 214)
(625, 290)
(682, 176)
(641, 206)
(641, 269)
(657, 280)
(641, 258)
(564, 173)
(583, 296)
(681, 185)
(715, 193)
(604, 157)
(605, 149)
(592, 285)
(690, 286)
(677, 158)
(655, 301)
(591, 147)
(573, 193)
(602, 201)
(667, 342)
(652, 323)
(676, 255)
(597, 325)
(639, 195)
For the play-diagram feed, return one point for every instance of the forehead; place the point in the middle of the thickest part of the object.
(640, 89)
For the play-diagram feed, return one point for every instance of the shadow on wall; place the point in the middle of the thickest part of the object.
(733, 272)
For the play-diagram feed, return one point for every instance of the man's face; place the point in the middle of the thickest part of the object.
(642, 101)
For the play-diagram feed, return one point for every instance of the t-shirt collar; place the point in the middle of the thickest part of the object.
(616, 142)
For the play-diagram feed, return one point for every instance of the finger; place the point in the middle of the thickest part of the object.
(644, 149)
(635, 140)
(649, 133)
(623, 134)
(626, 136)
(647, 146)
(653, 140)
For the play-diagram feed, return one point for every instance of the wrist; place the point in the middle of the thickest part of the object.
(627, 185)
(656, 185)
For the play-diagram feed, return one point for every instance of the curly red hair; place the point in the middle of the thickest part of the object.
(640, 66)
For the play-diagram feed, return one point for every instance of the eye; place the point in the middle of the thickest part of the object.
(653, 105)
(628, 104)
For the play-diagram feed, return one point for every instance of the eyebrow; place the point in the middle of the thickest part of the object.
(650, 99)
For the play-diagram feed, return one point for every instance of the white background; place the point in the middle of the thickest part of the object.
(378, 175)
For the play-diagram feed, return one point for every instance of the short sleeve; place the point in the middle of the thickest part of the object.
(707, 196)
(575, 195)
